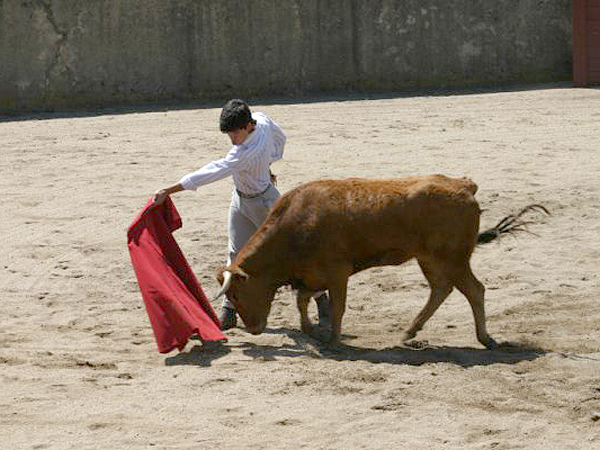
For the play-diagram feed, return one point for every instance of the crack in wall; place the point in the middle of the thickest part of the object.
(62, 54)
(57, 60)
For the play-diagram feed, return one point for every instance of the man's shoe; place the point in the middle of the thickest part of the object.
(228, 318)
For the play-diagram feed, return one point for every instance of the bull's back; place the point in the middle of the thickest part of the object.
(381, 220)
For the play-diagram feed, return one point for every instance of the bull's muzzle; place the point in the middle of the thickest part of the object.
(257, 329)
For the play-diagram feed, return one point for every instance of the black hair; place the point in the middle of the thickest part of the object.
(235, 115)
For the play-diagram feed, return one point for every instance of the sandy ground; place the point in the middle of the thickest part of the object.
(79, 367)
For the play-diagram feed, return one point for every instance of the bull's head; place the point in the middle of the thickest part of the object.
(251, 295)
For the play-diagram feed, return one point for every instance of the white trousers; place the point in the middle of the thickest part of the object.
(245, 216)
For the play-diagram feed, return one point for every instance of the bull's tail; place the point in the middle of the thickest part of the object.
(510, 224)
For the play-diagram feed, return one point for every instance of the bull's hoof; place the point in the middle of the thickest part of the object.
(408, 335)
(417, 345)
(489, 343)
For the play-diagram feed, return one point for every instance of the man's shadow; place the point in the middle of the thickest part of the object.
(413, 354)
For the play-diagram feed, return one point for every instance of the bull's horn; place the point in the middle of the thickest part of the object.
(227, 277)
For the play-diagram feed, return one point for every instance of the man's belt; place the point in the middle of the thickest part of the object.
(244, 195)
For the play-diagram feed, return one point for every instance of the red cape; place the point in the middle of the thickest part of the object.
(175, 302)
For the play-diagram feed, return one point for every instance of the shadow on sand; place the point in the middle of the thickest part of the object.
(415, 354)
(199, 355)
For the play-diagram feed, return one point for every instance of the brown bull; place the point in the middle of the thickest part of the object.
(320, 233)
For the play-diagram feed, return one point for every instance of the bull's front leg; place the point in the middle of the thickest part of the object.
(308, 328)
(302, 299)
(319, 331)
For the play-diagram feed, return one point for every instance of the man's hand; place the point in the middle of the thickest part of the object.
(159, 197)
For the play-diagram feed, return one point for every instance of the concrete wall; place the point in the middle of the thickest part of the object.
(74, 54)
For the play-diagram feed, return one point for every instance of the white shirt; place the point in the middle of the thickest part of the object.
(247, 163)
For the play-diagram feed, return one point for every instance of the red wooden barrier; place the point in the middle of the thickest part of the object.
(586, 42)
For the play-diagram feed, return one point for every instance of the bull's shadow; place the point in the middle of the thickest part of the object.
(306, 346)
(507, 353)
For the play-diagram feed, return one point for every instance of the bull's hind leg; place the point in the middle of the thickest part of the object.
(474, 291)
(337, 304)
(440, 289)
